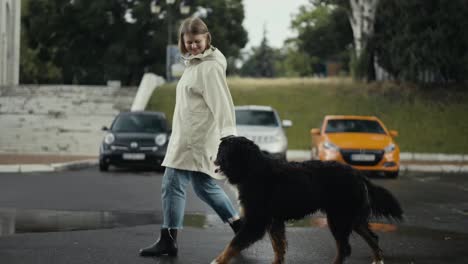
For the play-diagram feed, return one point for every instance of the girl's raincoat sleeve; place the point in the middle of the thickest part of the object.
(218, 98)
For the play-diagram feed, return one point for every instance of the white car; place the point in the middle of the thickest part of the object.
(262, 125)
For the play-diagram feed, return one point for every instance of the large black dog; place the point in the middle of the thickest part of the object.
(272, 192)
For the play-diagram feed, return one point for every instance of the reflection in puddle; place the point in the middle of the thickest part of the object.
(14, 221)
(381, 227)
(309, 222)
(322, 222)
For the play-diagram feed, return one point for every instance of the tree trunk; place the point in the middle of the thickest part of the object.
(361, 18)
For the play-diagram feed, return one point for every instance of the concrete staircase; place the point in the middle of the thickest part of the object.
(58, 119)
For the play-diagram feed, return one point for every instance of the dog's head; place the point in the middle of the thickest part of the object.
(238, 158)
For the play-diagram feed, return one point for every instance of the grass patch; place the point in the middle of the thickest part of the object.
(427, 119)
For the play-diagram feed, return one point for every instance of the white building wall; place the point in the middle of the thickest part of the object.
(3, 21)
(10, 28)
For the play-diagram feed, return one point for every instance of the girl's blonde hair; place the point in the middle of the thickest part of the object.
(194, 26)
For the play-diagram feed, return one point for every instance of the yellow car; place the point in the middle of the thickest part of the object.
(360, 141)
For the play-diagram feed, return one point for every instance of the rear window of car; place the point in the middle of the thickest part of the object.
(256, 118)
(353, 126)
(139, 124)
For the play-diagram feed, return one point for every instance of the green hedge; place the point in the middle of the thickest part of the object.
(427, 119)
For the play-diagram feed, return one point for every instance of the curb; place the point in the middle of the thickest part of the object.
(406, 156)
(25, 168)
(74, 165)
(435, 168)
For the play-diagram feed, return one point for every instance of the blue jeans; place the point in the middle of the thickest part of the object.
(174, 184)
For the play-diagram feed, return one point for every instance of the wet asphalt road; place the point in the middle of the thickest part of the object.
(115, 213)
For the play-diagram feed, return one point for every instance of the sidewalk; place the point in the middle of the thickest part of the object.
(14, 163)
(23, 163)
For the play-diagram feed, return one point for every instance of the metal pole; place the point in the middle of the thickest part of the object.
(169, 43)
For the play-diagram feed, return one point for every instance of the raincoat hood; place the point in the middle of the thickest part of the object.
(211, 53)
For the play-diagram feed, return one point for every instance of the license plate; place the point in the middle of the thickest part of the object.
(133, 156)
(362, 157)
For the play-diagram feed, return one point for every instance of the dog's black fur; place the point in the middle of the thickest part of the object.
(272, 192)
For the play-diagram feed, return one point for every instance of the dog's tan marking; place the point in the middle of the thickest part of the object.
(339, 257)
(228, 253)
(363, 231)
(279, 244)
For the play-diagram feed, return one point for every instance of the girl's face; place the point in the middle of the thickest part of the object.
(195, 44)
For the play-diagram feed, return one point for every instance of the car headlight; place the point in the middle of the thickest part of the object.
(389, 148)
(277, 138)
(109, 138)
(330, 146)
(160, 139)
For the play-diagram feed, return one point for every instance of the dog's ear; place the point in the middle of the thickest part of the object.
(251, 152)
(247, 157)
(237, 158)
(230, 159)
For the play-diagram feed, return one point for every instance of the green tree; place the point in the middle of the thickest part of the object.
(92, 41)
(261, 60)
(32, 68)
(76, 37)
(361, 16)
(290, 62)
(324, 34)
(428, 41)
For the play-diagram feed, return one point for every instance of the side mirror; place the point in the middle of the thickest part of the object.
(315, 131)
(287, 123)
(393, 133)
(104, 128)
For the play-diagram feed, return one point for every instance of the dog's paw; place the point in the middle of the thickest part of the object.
(378, 262)
(214, 262)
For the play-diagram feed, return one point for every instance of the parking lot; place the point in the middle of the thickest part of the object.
(85, 216)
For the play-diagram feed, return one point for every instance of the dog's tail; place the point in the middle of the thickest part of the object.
(383, 203)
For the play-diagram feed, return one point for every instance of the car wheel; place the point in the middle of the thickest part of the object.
(103, 166)
(392, 175)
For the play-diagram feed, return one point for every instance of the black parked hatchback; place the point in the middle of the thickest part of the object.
(135, 139)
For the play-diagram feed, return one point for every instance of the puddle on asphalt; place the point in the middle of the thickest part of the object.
(16, 221)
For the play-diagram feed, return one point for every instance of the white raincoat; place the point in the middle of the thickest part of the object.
(204, 113)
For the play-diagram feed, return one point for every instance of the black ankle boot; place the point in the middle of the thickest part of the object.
(166, 245)
(236, 225)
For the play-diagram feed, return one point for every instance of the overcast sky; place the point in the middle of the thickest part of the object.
(275, 14)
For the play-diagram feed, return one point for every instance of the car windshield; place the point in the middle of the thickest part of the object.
(353, 126)
(139, 123)
(256, 118)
